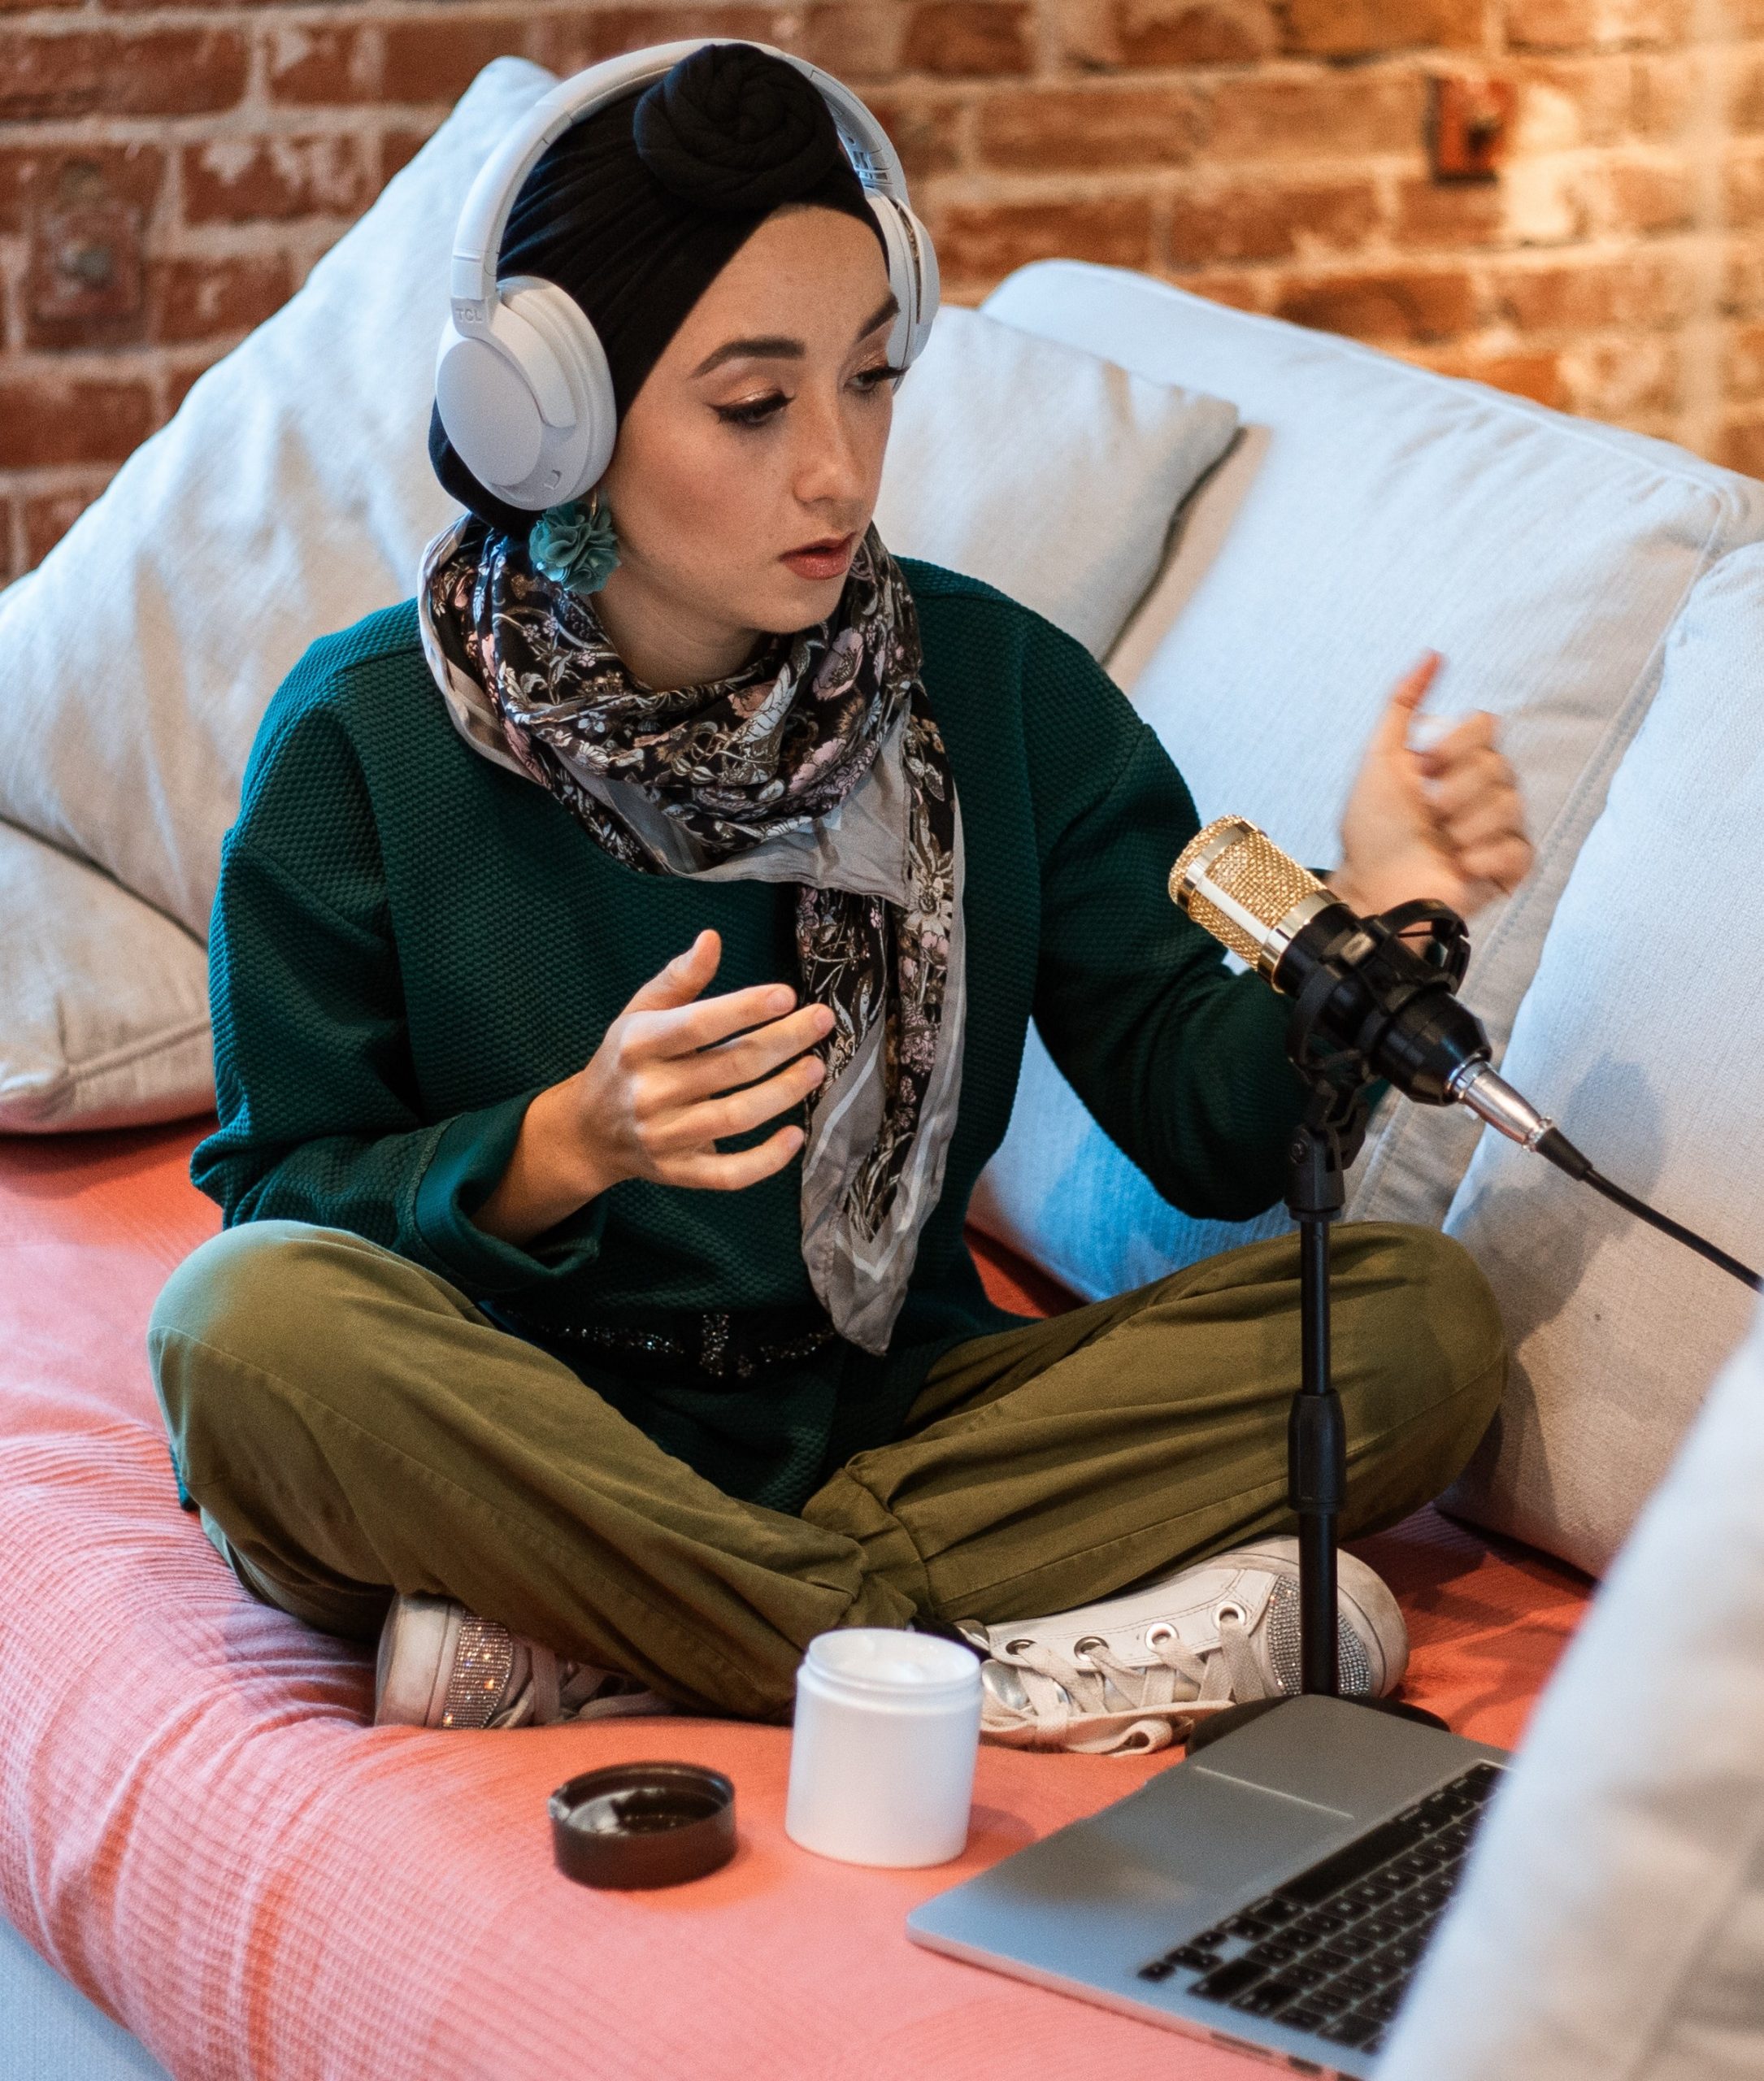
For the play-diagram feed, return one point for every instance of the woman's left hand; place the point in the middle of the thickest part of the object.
(1446, 822)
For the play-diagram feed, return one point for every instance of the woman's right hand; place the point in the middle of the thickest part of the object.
(674, 1074)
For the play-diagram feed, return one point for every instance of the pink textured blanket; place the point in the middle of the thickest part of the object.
(199, 1828)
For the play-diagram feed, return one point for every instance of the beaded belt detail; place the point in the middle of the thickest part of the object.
(721, 1344)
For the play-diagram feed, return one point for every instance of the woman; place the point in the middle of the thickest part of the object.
(621, 962)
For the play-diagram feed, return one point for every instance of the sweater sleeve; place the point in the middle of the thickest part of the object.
(321, 1119)
(1179, 1060)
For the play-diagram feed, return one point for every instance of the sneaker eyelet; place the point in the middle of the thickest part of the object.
(1087, 1646)
(1018, 1647)
(1160, 1633)
(1229, 1609)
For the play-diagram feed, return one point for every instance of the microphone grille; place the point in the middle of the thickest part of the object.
(1236, 860)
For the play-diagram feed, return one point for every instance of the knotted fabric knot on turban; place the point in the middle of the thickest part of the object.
(728, 132)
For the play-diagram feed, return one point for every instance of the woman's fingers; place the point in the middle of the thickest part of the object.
(753, 1054)
(679, 1130)
(1495, 814)
(711, 1171)
(1467, 781)
(1504, 862)
(1406, 695)
(684, 977)
(662, 1036)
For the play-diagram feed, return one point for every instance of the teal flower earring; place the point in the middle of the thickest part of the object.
(574, 545)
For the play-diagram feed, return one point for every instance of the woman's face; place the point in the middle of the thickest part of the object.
(746, 468)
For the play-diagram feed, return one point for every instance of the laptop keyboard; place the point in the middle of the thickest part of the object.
(1333, 1950)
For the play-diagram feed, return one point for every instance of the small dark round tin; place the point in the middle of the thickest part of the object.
(634, 1825)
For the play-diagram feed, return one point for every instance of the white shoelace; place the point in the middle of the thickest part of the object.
(1069, 1701)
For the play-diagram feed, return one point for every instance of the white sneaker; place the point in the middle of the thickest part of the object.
(441, 1665)
(1135, 1672)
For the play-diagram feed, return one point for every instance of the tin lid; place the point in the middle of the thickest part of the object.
(635, 1825)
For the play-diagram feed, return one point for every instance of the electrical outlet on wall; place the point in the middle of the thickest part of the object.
(1471, 124)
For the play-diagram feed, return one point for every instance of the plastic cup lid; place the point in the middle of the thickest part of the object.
(886, 1658)
(634, 1824)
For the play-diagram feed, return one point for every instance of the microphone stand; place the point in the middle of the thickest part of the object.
(1323, 1144)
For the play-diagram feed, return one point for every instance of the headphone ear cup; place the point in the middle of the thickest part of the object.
(912, 262)
(578, 439)
(530, 409)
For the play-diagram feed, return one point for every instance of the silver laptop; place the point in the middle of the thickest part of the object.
(1274, 1892)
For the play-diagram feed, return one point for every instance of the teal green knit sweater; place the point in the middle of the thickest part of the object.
(410, 942)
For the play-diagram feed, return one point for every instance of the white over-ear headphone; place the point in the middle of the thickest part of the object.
(521, 380)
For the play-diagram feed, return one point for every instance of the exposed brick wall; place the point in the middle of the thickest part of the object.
(169, 173)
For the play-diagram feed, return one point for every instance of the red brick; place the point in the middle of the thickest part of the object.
(1106, 33)
(1242, 292)
(165, 71)
(578, 37)
(201, 299)
(1743, 363)
(398, 147)
(1667, 96)
(437, 57)
(47, 516)
(855, 39)
(1744, 187)
(1740, 446)
(967, 38)
(1353, 114)
(1392, 305)
(50, 419)
(1625, 380)
(1433, 213)
(926, 133)
(1594, 294)
(323, 64)
(1742, 286)
(982, 242)
(1568, 102)
(34, 177)
(1048, 130)
(239, 179)
(1587, 24)
(1648, 197)
(1535, 376)
(1365, 29)
(1271, 221)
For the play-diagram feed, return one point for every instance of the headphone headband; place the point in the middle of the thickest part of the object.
(485, 218)
(522, 384)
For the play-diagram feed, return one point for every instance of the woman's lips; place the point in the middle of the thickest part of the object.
(822, 559)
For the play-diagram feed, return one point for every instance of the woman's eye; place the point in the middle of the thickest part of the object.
(873, 379)
(755, 413)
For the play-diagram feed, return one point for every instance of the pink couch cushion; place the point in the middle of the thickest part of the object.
(198, 1826)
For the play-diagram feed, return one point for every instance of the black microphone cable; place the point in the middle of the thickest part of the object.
(1556, 1146)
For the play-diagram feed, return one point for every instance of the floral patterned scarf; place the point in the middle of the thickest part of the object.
(733, 779)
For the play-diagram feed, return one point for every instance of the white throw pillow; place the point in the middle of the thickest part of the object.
(105, 1001)
(292, 494)
(1371, 511)
(1049, 472)
(1611, 1923)
(1641, 1035)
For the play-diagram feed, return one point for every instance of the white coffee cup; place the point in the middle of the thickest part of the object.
(888, 1727)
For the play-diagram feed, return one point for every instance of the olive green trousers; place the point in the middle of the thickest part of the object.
(350, 1424)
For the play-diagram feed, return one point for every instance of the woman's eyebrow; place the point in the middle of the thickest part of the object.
(771, 347)
(776, 346)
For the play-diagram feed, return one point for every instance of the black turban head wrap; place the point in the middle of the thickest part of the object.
(636, 210)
